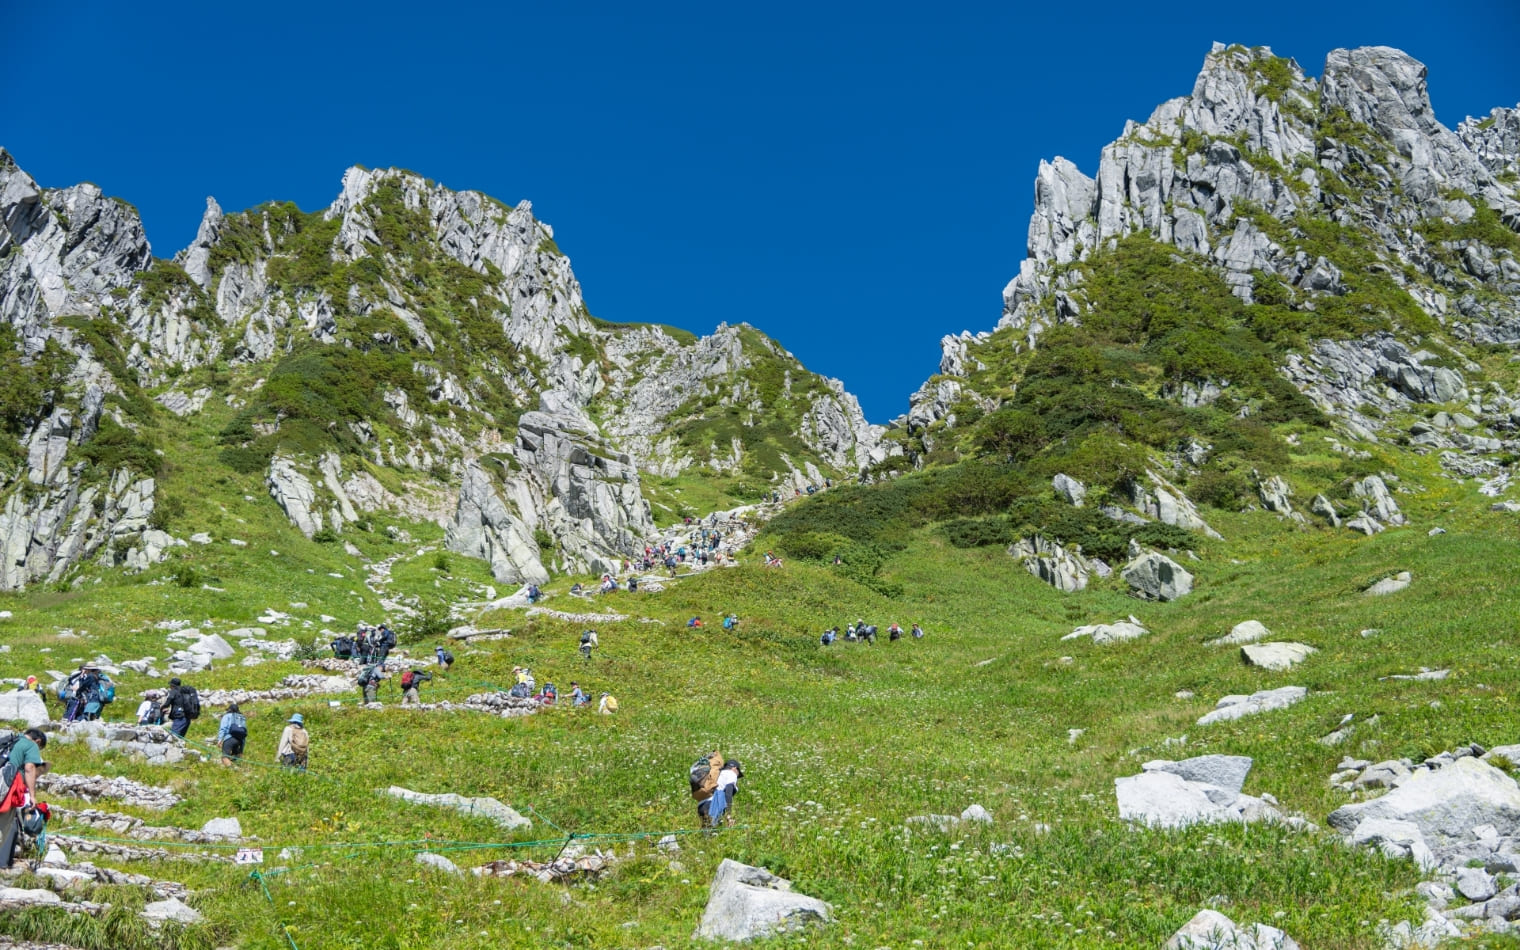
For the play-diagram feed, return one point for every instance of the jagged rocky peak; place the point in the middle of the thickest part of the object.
(62, 251)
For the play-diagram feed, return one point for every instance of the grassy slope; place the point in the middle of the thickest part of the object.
(871, 736)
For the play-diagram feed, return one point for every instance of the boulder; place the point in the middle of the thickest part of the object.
(213, 646)
(1379, 504)
(23, 895)
(172, 909)
(977, 814)
(1390, 585)
(1167, 800)
(439, 862)
(1064, 570)
(1276, 656)
(1157, 577)
(1221, 771)
(23, 705)
(1115, 632)
(1274, 493)
(485, 807)
(226, 827)
(1235, 707)
(1476, 884)
(1247, 631)
(745, 903)
(1445, 803)
(1069, 489)
(1211, 930)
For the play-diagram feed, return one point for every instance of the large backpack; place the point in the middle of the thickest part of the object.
(704, 775)
(238, 728)
(107, 691)
(190, 702)
(409, 680)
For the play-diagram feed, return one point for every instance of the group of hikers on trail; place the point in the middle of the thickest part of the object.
(367, 644)
(85, 694)
(860, 631)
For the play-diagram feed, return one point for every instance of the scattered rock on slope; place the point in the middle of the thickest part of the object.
(1276, 656)
(745, 903)
(1211, 930)
(490, 808)
(1157, 577)
(1390, 585)
(1235, 707)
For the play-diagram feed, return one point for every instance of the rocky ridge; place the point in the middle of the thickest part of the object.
(409, 350)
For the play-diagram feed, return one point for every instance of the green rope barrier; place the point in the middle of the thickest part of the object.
(284, 928)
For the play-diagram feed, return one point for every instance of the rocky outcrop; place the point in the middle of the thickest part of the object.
(1105, 633)
(1066, 571)
(1167, 504)
(1157, 577)
(1202, 790)
(747, 903)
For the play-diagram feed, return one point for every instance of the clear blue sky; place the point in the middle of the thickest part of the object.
(854, 179)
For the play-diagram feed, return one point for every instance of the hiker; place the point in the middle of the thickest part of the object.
(20, 768)
(86, 684)
(524, 677)
(894, 633)
(411, 682)
(575, 588)
(232, 733)
(704, 782)
(608, 705)
(694, 622)
(633, 585)
(829, 636)
(361, 651)
(534, 594)
(182, 705)
(548, 694)
(589, 642)
(918, 632)
(578, 696)
(723, 795)
(445, 658)
(383, 643)
(149, 711)
(294, 743)
(369, 681)
(730, 621)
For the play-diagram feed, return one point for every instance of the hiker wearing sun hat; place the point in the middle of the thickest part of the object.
(294, 743)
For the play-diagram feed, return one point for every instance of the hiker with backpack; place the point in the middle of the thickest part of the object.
(411, 682)
(294, 744)
(231, 733)
(704, 782)
(589, 642)
(382, 643)
(578, 696)
(918, 632)
(445, 658)
(150, 711)
(608, 705)
(21, 764)
(723, 795)
(548, 694)
(894, 633)
(369, 681)
(829, 636)
(730, 621)
(182, 706)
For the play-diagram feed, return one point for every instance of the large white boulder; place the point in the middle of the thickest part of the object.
(172, 909)
(24, 705)
(1221, 771)
(1167, 800)
(746, 902)
(1116, 632)
(1445, 804)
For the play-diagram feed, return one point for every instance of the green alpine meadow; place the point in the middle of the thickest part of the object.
(1177, 610)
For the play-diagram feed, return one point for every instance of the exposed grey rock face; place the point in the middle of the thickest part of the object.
(1157, 577)
(746, 903)
(1064, 570)
(1201, 790)
(1073, 491)
(1168, 505)
(1274, 493)
(46, 533)
(1380, 504)
(1446, 804)
(293, 493)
